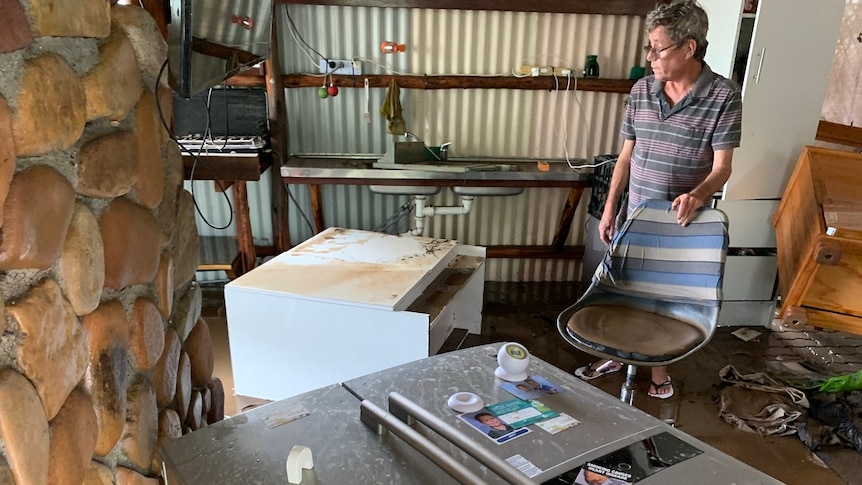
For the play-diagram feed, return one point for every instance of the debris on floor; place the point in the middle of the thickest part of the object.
(746, 334)
(833, 420)
(757, 403)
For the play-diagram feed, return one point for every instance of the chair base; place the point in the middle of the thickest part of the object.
(627, 393)
(667, 413)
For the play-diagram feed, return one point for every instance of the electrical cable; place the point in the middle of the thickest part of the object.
(565, 119)
(403, 73)
(299, 208)
(291, 196)
(302, 48)
(587, 136)
(300, 40)
(196, 160)
(208, 133)
(396, 216)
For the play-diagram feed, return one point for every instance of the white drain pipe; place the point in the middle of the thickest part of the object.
(422, 211)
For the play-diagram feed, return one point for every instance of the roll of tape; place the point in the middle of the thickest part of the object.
(465, 402)
(298, 459)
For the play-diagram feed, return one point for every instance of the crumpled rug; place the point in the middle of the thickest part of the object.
(759, 404)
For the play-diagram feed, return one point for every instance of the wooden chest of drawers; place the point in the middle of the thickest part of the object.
(818, 229)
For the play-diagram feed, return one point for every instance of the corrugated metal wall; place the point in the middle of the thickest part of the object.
(478, 122)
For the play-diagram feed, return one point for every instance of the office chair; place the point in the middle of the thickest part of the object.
(655, 297)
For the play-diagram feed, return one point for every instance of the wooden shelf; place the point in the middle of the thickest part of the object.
(226, 167)
(218, 253)
(545, 83)
(599, 7)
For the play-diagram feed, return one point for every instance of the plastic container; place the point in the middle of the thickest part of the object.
(591, 68)
(601, 185)
(388, 47)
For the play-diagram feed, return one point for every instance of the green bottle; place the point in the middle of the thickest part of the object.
(591, 68)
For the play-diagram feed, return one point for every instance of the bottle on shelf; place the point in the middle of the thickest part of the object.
(591, 67)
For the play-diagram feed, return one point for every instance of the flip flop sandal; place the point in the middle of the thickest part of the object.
(658, 387)
(588, 372)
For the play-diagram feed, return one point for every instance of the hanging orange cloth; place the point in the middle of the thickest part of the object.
(391, 109)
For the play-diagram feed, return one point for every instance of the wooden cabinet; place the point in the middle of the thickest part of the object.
(819, 235)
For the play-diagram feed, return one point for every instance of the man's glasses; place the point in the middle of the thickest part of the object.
(656, 53)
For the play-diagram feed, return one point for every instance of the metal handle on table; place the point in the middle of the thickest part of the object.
(404, 409)
(373, 416)
(759, 66)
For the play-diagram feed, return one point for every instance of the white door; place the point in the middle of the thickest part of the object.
(723, 35)
(789, 65)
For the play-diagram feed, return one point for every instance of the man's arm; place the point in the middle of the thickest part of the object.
(686, 204)
(619, 181)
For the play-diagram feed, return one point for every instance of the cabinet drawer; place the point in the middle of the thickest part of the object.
(750, 278)
(441, 328)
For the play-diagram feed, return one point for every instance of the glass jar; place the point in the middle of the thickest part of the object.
(591, 68)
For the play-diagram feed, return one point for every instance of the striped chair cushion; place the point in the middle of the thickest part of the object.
(654, 257)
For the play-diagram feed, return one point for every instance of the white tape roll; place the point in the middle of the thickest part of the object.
(298, 459)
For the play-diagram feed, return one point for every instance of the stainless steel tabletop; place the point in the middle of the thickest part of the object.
(606, 423)
(490, 172)
(251, 447)
(244, 449)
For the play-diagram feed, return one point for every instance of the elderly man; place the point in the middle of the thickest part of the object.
(680, 128)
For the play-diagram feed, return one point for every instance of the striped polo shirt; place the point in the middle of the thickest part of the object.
(674, 146)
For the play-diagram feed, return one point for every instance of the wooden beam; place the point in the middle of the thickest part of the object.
(837, 133)
(565, 224)
(230, 54)
(222, 168)
(535, 252)
(545, 83)
(277, 113)
(222, 185)
(242, 220)
(315, 194)
(606, 7)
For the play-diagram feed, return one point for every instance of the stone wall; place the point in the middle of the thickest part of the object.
(103, 353)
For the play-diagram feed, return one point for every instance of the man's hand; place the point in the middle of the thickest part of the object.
(685, 205)
(606, 226)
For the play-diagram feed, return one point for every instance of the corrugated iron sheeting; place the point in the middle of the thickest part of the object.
(495, 122)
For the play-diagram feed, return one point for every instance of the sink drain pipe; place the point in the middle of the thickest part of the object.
(422, 211)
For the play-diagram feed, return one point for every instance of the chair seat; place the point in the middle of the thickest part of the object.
(627, 332)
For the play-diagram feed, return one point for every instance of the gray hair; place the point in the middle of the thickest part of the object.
(683, 20)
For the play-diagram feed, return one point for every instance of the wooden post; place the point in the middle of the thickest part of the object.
(278, 139)
(565, 224)
(242, 219)
(314, 193)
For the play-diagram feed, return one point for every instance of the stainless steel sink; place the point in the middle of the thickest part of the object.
(488, 167)
(404, 189)
(487, 191)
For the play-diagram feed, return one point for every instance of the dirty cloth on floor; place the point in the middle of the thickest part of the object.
(834, 419)
(759, 404)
